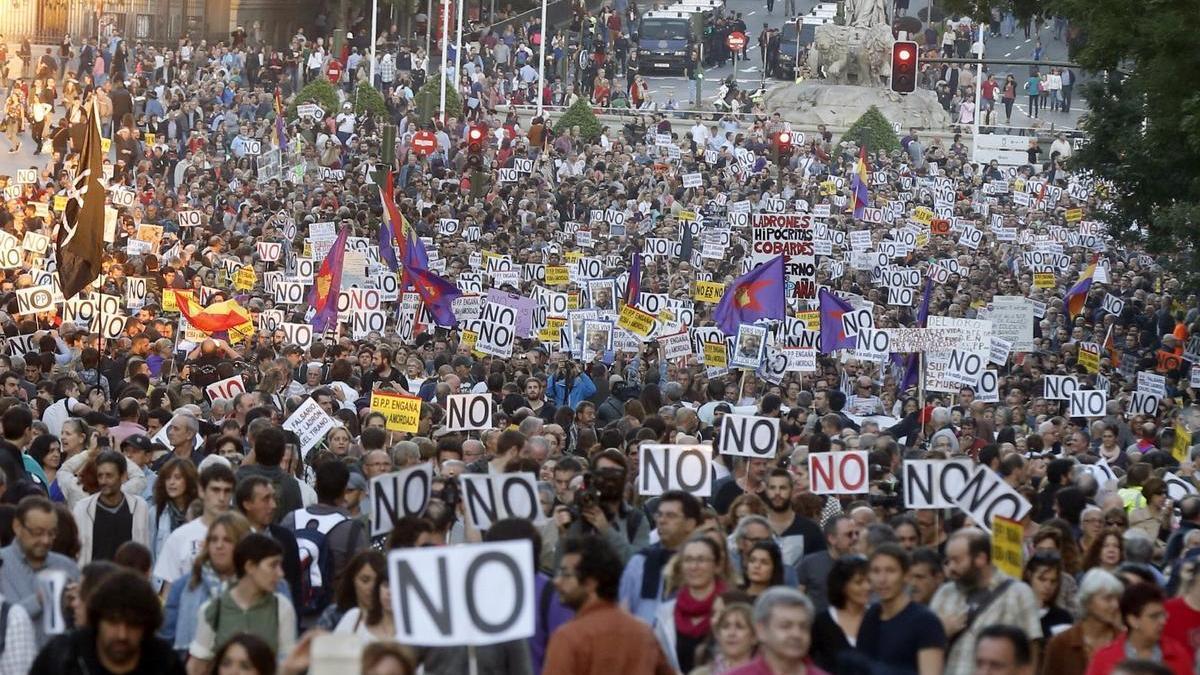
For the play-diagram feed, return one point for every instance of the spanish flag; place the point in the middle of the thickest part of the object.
(1077, 295)
(222, 316)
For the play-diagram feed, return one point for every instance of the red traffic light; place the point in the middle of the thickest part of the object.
(904, 67)
(785, 138)
(475, 135)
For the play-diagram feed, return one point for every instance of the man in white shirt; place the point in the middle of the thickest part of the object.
(66, 389)
(184, 544)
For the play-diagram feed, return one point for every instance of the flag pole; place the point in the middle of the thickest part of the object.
(921, 390)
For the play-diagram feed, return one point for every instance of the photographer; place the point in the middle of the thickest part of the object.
(599, 507)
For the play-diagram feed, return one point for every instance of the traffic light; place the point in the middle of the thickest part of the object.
(475, 137)
(783, 146)
(904, 67)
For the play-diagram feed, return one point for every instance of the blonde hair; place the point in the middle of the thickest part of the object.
(236, 526)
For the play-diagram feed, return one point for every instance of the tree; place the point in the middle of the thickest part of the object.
(428, 97)
(873, 130)
(319, 91)
(368, 100)
(581, 115)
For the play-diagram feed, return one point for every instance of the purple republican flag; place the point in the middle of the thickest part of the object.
(437, 294)
(633, 287)
(757, 294)
(832, 336)
(327, 285)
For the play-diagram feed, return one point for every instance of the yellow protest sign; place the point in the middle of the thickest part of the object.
(307, 249)
(1073, 215)
(828, 188)
(1043, 280)
(60, 203)
(468, 338)
(715, 355)
(241, 332)
(557, 275)
(550, 332)
(923, 215)
(573, 256)
(573, 300)
(245, 279)
(708, 291)
(1008, 553)
(922, 239)
(1183, 441)
(105, 144)
(636, 321)
(1089, 360)
(687, 216)
(812, 320)
(1019, 185)
(149, 138)
(403, 412)
(170, 304)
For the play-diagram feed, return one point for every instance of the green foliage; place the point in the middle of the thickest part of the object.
(368, 100)
(580, 115)
(319, 91)
(428, 97)
(874, 130)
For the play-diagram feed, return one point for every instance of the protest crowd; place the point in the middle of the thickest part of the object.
(528, 401)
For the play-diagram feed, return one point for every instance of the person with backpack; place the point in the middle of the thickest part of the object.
(327, 538)
(252, 605)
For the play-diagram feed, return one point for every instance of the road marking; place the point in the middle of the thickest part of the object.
(1028, 40)
(1007, 54)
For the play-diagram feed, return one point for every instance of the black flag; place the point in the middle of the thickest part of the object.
(80, 244)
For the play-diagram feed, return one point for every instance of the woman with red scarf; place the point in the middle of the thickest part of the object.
(683, 624)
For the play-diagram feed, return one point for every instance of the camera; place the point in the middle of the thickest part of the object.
(587, 496)
(450, 493)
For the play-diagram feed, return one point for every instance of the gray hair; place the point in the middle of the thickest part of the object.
(940, 416)
(531, 426)
(781, 596)
(879, 534)
(187, 421)
(1098, 582)
(1139, 548)
(747, 521)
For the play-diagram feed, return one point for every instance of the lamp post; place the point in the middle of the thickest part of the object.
(542, 65)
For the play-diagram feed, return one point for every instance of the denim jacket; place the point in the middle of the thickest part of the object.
(182, 611)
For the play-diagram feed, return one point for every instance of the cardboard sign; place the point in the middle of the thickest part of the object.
(403, 412)
(1059, 387)
(748, 436)
(1008, 550)
(470, 594)
(398, 494)
(935, 483)
(35, 299)
(310, 423)
(708, 291)
(225, 389)
(838, 473)
(492, 497)
(468, 412)
(1088, 403)
(636, 321)
(675, 467)
(986, 496)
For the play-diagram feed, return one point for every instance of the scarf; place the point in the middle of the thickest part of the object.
(694, 616)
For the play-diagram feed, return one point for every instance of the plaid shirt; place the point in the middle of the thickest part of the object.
(1016, 606)
(387, 69)
(20, 647)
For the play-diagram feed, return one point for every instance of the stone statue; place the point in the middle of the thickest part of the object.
(840, 52)
(866, 13)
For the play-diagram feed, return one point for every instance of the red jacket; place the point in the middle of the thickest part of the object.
(1175, 657)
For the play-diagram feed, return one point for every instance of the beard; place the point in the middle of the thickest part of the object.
(969, 580)
(119, 651)
(780, 505)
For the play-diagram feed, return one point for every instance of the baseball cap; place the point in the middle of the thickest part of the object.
(138, 442)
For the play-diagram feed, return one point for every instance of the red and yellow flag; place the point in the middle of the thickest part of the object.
(222, 316)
